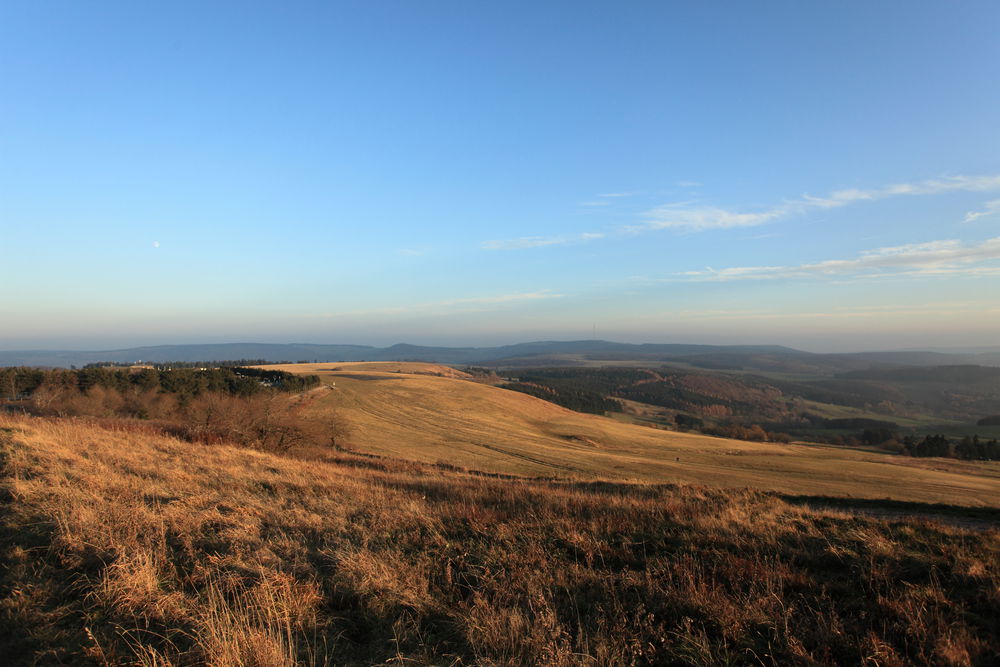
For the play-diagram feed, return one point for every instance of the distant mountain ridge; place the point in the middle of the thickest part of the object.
(759, 357)
(398, 352)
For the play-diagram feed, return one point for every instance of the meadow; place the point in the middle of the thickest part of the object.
(432, 414)
(123, 546)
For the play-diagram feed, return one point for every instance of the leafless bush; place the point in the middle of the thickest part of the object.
(271, 422)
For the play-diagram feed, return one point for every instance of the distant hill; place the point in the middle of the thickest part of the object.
(187, 353)
(763, 358)
(399, 352)
(968, 374)
(928, 358)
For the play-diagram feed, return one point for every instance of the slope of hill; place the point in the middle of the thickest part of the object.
(121, 547)
(919, 396)
(439, 419)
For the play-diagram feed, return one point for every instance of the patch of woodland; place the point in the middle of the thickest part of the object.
(250, 407)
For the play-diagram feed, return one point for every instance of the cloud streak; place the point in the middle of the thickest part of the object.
(946, 257)
(502, 298)
(688, 216)
(702, 218)
(539, 241)
(989, 208)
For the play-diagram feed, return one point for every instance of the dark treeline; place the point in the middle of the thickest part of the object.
(839, 391)
(21, 383)
(167, 365)
(969, 448)
(635, 384)
(603, 381)
(962, 374)
(251, 407)
(580, 389)
(574, 399)
(667, 388)
(851, 423)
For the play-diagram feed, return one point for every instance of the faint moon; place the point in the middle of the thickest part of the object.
(156, 244)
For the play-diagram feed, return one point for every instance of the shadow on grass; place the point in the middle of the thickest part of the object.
(37, 621)
(958, 515)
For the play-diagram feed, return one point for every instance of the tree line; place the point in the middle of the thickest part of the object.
(969, 448)
(249, 407)
(20, 383)
(573, 399)
(168, 365)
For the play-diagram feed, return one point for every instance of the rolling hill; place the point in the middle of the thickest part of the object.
(426, 413)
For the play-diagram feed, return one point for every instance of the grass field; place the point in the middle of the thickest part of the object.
(431, 414)
(119, 546)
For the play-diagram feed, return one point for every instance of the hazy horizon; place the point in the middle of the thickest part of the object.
(76, 346)
(825, 177)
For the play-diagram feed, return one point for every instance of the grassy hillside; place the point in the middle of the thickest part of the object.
(432, 419)
(122, 547)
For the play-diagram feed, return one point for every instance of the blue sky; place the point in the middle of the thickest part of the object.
(821, 175)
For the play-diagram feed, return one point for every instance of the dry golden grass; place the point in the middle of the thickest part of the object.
(123, 547)
(393, 410)
(408, 367)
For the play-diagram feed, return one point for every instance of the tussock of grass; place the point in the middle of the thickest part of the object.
(132, 548)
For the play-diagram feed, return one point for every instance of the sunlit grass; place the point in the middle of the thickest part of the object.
(443, 419)
(132, 548)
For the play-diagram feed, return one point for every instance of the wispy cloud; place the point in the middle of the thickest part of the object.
(947, 257)
(691, 216)
(539, 241)
(501, 298)
(688, 184)
(474, 304)
(523, 242)
(837, 313)
(699, 218)
(989, 208)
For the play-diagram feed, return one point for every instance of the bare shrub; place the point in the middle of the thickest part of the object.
(52, 398)
(269, 422)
